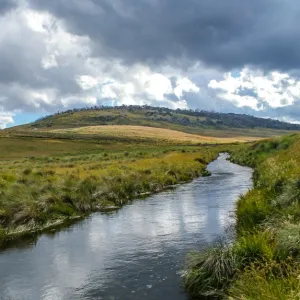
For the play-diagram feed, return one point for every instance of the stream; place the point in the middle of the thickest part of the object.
(137, 252)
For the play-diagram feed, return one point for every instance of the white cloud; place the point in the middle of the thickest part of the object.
(44, 68)
(56, 70)
(136, 85)
(254, 89)
(5, 119)
(185, 85)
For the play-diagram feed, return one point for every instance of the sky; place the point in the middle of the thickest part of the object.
(227, 56)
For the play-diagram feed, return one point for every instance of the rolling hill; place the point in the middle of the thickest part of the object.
(194, 122)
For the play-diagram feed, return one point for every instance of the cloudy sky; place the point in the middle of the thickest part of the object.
(227, 56)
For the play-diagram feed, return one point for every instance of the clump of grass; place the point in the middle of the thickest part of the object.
(268, 281)
(200, 160)
(2, 234)
(61, 209)
(211, 272)
(205, 173)
(252, 209)
(288, 238)
(257, 246)
(27, 171)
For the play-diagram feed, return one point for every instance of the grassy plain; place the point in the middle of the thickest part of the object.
(264, 260)
(48, 178)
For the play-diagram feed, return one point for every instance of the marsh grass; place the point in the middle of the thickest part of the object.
(209, 273)
(268, 281)
(266, 252)
(39, 190)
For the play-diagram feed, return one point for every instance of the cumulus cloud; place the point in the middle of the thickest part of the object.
(255, 89)
(5, 119)
(45, 68)
(225, 56)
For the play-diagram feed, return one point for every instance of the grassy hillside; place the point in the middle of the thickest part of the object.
(145, 133)
(201, 123)
(263, 262)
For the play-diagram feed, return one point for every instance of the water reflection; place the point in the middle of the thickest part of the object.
(130, 254)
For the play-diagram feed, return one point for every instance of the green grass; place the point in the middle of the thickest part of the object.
(264, 260)
(45, 181)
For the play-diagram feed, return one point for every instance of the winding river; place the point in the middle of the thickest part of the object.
(134, 253)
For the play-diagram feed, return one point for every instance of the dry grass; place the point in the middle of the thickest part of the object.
(39, 191)
(150, 133)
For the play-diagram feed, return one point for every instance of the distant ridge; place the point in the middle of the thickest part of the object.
(157, 117)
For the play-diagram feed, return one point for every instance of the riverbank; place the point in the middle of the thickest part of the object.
(132, 253)
(263, 262)
(42, 193)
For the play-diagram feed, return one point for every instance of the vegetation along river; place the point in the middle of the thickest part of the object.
(134, 253)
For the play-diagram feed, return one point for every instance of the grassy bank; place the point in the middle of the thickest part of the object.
(263, 261)
(59, 180)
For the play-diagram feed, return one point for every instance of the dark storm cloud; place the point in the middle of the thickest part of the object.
(6, 5)
(225, 34)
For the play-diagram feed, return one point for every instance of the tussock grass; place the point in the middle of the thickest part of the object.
(38, 190)
(268, 281)
(266, 252)
(210, 272)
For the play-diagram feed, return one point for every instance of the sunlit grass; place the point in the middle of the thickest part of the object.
(43, 181)
(149, 133)
(266, 252)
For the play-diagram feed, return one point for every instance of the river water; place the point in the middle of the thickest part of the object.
(134, 253)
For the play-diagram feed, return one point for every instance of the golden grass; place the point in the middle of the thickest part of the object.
(38, 191)
(150, 133)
